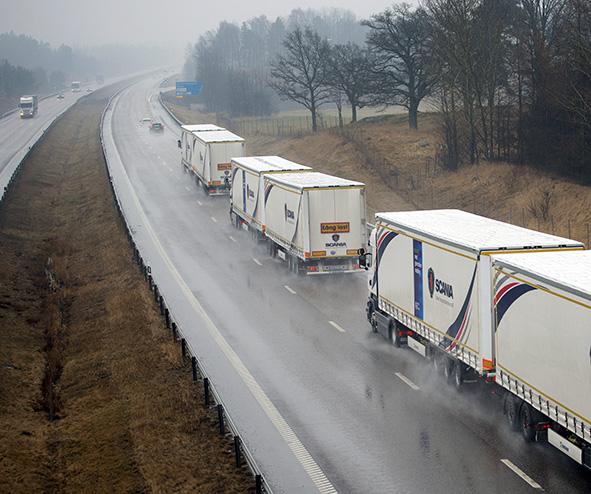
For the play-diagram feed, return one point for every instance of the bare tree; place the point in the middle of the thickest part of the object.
(300, 73)
(400, 39)
(350, 68)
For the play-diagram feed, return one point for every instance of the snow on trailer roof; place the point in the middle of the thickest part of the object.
(201, 127)
(218, 136)
(312, 180)
(260, 164)
(570, 271)
(473, 232)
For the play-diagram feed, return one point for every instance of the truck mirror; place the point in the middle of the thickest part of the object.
(178, 143)
(365, 260)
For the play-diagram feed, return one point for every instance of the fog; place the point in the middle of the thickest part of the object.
(82, 23)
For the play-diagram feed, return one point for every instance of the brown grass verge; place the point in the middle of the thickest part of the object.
(93, 395)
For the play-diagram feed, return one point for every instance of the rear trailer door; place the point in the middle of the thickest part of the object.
(282, 215)
(336, 226)
(245, 196)
(220, 165)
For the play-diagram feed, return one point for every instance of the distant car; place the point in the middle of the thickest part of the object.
(60, 96)
(88, 90)
(146, 120)
(156, 127)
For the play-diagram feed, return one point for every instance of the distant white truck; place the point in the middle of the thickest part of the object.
(248, 189)
(211, 152)
(542, 328)
(75, 86)
(316, 222)
(28, 106)
(482, 298)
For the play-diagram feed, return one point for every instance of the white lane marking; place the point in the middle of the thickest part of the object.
(200, 203)
(521, 474)
(187, 189)
(232, 238)
(289, 436)
(257, 261)
(336, 326)
(213, 219)
(289, 289)
(406, 380)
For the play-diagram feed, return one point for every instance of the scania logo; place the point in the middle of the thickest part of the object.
(289, 214)
(439, 286)
(335, 237)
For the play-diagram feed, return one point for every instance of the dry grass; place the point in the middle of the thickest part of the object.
(126, 416)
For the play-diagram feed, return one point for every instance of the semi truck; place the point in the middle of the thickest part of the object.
(315, 222)
(486, 300)
(542, 328)
(211, 153)
(248, 189)
(28, 106)
(188, 141)
(75, 86)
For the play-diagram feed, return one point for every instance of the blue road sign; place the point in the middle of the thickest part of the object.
(188, 88)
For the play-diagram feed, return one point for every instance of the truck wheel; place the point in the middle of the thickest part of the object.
(369, 310)
(511, 411)
(396, 335)
(448, 368)
(527, 423)
(458, 376)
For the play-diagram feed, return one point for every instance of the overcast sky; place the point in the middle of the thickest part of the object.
(162, 22)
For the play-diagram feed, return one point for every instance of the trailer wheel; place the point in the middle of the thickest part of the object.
(511, 411)
(369, 310)
(527, 423)
(396, 335)
(448, 368)
(458, 375)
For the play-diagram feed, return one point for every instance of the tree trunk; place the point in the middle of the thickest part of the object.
(353, 113)
(314, 119)
(413, 115)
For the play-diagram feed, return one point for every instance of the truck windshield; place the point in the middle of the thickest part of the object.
(26, 105)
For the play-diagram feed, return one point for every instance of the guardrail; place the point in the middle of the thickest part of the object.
(212, 398)
(168, 110)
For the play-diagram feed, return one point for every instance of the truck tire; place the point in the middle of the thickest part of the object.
(511, 407)
(458, 375)
(396, 335)
(527, 423)
(448, 368)
(369, 310)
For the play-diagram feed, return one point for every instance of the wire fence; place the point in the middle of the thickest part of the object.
(286, 126)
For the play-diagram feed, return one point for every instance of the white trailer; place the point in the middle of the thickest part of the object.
(188, 139)
(542, 322)
(211, 159)
(248, 188)
(316, 222)
(430, 284)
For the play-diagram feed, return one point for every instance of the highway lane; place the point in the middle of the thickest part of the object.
(375, 418)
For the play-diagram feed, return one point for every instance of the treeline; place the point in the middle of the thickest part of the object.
(15, 80)
(234, 62)
(511, 78)
(53, 68)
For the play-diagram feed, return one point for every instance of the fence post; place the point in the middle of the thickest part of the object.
(183, 349)
(587, 235)
(258, 481)
(569, 233)
(161, 303)
(221, 419)
(237, 451)
(194, 367)
(206, 391)
(174, 330)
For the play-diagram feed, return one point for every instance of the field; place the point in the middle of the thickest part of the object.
(93, 394)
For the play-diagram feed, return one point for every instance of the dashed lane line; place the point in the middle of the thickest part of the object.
(289, 289)
(521, 474)
(257, 261)
(232, 238)
(337, 327)
(407, 381)
(213, 219)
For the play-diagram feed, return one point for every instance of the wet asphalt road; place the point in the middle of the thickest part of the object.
(375, 418)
